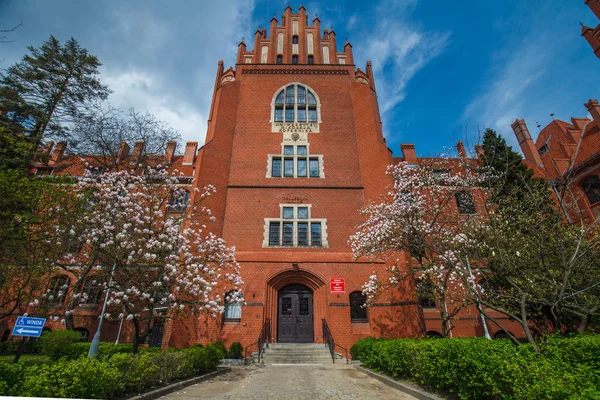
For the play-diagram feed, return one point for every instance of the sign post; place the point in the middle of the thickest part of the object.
(337, 286)
(27, 327)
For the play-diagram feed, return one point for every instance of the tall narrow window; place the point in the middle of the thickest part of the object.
(276, 167)
(311, 59)
(288, 234)
(464, 202)
(57, 289)
(591, 188)
(279, 59)
(294, 59)
(426, 293)
(233, 309)
(314, 168)
(179, 200)
(288, 167)
(274, 234)
(302, 234)
(315, 233)
(358, 311)
(302, 167)
(295, 39)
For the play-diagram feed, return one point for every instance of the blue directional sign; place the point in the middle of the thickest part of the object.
(29, 326)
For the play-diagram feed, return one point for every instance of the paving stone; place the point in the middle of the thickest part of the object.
(335, 381)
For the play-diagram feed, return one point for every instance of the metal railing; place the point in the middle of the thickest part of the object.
(262, 342)
(330, 342)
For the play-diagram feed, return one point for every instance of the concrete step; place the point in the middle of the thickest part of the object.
(295, 353)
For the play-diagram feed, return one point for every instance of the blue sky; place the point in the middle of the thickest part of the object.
(444, 70)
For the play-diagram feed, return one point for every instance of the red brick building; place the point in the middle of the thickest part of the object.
(568, 155)
(295, 148)
(592, 35)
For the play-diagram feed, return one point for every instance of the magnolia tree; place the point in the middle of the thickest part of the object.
(420, 217)
(540, 271)
(156, 262)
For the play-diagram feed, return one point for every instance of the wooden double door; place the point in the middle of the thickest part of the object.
(295, 315)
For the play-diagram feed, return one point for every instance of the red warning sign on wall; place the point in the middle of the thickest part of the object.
(337, 286)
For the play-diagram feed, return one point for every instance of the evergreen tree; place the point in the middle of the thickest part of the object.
(48, 88)
(506, 165)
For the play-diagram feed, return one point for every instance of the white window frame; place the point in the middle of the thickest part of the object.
(295, 157)
(295, 220)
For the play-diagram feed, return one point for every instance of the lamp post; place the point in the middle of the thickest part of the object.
(96, 340)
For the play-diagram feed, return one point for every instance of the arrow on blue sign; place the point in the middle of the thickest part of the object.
(29, 326)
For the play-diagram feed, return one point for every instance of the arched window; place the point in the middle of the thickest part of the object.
(84, 334)
(294, 59)
(296, 103)
(464, 202)
(434, 335)
(426, 293)
(502, 335)
(358, 312)
(295, 39)
(92, 290)
(179, 200)
(591, 188)
(233, 309)
(57, 289)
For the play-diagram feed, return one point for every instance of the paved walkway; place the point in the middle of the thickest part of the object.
(339, 381)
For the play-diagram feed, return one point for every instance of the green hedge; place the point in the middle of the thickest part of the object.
(110, 376)
(477, 368)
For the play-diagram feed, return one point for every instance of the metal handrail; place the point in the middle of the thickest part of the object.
(263, 340)
(330, 342)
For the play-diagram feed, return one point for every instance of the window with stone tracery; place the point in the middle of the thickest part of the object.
(295, 228)
(296, 103)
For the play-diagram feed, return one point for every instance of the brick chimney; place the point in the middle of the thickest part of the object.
(170, 152)
(594, 5)
(460, 147)
(58, 152)
(479, 150)
(138, 150)
(190, 153)
(594, 42)
(409, 153)
(594, 109)
(526, 142)
(123, 152)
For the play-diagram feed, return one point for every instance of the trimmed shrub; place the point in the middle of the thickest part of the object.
(56, 344)
(111, 375)
(11, 376)
(236, 350)
(81, 378)
(219, 346)
(477, 368)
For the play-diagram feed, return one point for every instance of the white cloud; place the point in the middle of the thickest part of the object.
(398, 49)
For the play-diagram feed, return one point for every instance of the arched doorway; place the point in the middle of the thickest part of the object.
(295, 320)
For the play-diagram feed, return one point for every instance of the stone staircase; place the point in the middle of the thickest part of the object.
(296, 353)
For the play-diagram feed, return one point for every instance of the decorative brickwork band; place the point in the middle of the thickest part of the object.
(291, 71)
(402, 303)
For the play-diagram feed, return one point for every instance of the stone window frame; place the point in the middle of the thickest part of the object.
(315, 124)
(295, 157)
(295, 220)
